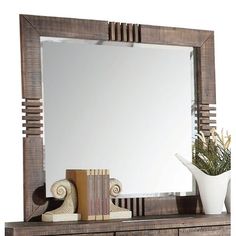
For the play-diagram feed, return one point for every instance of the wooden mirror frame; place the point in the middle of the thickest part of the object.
(33, 27)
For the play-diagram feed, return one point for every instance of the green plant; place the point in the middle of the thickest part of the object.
(212, 154)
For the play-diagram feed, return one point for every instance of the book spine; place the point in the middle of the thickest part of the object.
(98, 194)
(91, 196)
(95, 191)
(106, 195)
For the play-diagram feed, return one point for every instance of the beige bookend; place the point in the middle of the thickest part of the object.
(63, 189)
(115, 211)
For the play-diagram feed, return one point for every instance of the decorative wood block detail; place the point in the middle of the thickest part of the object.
(32, 132)
(118, 32)
(207, 121)
(128, 203)
(136, 205)
(32, 111)
(124, 32)
(112, 30)
(33, 103)
(124, 29)
(207, 114)
(130, 33)
(206, 127)
(207, 108)
(136, 32)
(33, 117)
(33, 125)
(122, 202)
(206, 118)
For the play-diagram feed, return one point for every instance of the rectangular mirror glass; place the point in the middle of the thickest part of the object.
(127, 107)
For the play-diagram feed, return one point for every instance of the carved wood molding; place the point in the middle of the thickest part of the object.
(136, 205)
(32, 110)
(33, 27)
(206, 118)
(124, 32)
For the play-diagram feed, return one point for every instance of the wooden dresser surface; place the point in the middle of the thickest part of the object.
(192, 225)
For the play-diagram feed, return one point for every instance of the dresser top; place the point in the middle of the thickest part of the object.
(140, 223)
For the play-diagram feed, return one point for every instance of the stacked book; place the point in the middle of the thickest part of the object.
(93, 192)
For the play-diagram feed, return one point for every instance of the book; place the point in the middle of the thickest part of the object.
(84, 182)
(98, 194)
(106, 195)
(92, 193)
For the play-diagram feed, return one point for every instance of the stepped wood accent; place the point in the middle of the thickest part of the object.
(124, 32)
(206, 118)
(32, 110)
(32, 28)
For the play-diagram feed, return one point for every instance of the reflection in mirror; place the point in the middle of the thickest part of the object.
(119, 106)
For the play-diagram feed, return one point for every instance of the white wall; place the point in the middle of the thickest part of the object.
(203, 14)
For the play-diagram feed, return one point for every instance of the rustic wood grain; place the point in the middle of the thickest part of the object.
(139, 224)
(68, 27)
(124, 32)
(167, 232)
(32, 103)
(118, 31)
(130, 33)
(9, 232)
(32, 117)
(173, 36)
(30, 60)
(206, 72)
(124, 36)
(112, 31)
(100, 234)
(136, 33)
(206, 118)
(34, 179)
(172, 205)
(32, 110)
(206, 231)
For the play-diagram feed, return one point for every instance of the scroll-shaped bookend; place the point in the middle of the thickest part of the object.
(115, 211)
(63, 189)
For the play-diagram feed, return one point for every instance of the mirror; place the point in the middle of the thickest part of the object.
(156, 147)
(122, 106)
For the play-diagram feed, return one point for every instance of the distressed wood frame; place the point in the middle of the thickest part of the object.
(32, 27)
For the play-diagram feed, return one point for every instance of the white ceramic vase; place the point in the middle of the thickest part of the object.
(228, 198)
(212, 188)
